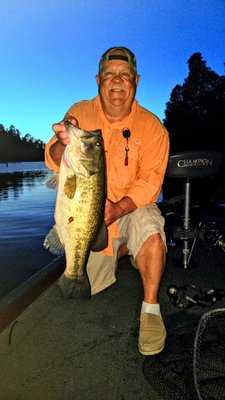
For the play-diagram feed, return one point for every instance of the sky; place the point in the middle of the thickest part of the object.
(50, 49)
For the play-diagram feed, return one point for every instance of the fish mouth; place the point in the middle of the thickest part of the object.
(89, 158)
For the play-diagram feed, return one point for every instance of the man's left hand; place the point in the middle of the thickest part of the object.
(113, 211)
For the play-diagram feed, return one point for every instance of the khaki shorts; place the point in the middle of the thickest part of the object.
(135, 228)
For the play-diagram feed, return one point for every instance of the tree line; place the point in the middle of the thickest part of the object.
(14, 147)
(195, 113)
(195, 120)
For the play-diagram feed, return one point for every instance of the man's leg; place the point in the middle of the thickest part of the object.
(101, 268)
(151, 261)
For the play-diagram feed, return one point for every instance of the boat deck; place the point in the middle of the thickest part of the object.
(87, 349)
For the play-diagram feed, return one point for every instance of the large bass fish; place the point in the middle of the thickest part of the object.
(79, 211)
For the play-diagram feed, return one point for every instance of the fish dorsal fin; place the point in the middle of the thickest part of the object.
(53, 182)
(70, 186)
(53, 243)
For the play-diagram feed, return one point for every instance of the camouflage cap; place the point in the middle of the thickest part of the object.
(118, 53)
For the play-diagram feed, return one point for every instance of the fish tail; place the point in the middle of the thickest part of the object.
(74, 288)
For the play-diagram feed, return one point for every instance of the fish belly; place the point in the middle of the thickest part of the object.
(77, 222)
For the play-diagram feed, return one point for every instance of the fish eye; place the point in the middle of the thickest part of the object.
(98, 144)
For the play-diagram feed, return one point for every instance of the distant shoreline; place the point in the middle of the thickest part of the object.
(21, 166)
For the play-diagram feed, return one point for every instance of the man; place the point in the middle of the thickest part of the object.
(136, 148)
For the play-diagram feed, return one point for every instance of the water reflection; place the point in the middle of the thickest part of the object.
(14, 183)
(27, 215)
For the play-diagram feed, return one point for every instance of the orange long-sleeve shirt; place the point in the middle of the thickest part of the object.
(148, 153)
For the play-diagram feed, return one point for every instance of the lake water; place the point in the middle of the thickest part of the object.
(26, 215)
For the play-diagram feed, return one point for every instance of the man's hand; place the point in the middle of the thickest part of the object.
(60, 130)
(113, 211)
(57, 149)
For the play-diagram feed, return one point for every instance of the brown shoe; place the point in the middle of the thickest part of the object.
(152, 334)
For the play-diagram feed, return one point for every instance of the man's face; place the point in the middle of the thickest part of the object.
(117, 83)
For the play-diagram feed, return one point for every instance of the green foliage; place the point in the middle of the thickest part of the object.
(13, 147)
(194, 116)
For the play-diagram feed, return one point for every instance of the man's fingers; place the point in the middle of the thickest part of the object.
(60, 131)
(72, 120)
(58, 126)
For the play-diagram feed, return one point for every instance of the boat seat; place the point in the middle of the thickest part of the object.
(190, 165)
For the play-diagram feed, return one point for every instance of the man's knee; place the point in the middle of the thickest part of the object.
(154, 241)
(154, 244)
